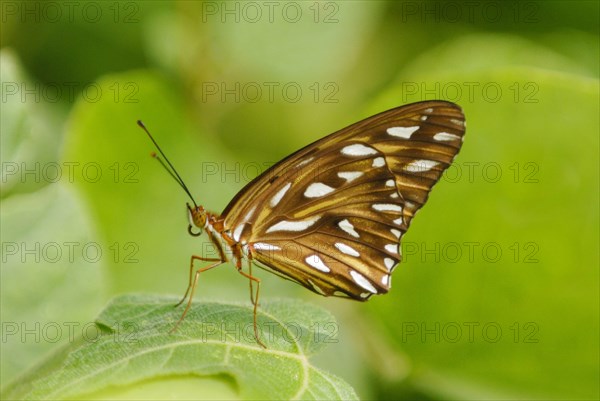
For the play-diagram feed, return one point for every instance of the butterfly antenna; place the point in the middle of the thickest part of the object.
(167, 166)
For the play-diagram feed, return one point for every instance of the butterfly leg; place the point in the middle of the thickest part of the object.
(194, 257)
(194, 284)
(255, 302)
(222, 258)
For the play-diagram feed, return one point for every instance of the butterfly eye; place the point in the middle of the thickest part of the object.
(197, 217)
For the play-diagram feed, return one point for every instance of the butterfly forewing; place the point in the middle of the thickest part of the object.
(331, 215)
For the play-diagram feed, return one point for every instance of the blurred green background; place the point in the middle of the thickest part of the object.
(498, 294)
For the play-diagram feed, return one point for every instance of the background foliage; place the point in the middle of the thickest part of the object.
(497, 297)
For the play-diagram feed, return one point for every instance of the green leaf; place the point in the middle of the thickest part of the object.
(132, 345)
(51, 279)
(30, 130)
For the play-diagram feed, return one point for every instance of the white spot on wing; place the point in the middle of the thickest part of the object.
(385, 279)
(249, 214)
(358, 149)
(286, 225)
(279, 195)
(445, 136)
(402, 132)
(399, 221)
(423, 118)
(318, 189)
(316, 262)
(394, 195)
(392, 248)
(390, 183)
(237, 233)
(389, 263)
(420, 166)
(347, 249)
(341, 294)
(460, 123)
(305, 161)
(263, 246)
(363, 282)
(387, 207)
(349, 176)
(378, 162)
(429, 110)
(348, 227)
(396, 233)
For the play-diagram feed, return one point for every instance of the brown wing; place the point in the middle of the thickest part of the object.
(331, 215)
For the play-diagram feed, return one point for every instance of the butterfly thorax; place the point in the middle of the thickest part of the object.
(227, 246)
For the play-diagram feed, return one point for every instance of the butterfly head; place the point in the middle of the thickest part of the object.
(198, 218)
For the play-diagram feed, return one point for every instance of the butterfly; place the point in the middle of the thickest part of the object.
(331, 215)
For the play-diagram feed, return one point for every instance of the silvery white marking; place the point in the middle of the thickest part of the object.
(392, 248)
(428, 110)
(350, 176)
(279, 195)
(389, 263)
(305, 161)
(399, 221)
(460, 123)
(318, 189)
(365, 295)
(249, 214)
(286, 225)
(316, 262)
(237, 233)
(358, 149)
(348, 227)
(402, 132)
(396, 233)
(340, 294)
(423, 118)
(394, 195)
(263, 246)
(420, 166)
(384, 280)
(390, 183)
(445, 136)
(378, 162)
(385, 207)
(363, 282)
(347, 249)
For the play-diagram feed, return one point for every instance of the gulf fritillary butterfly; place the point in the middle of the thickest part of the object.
(331, 215)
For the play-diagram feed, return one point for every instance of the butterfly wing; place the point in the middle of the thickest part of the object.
(331, 215)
